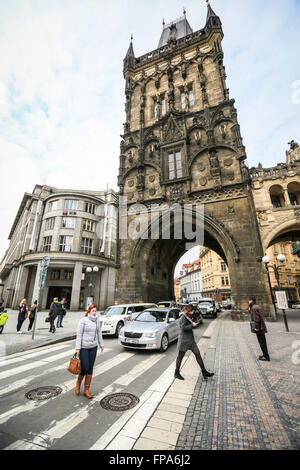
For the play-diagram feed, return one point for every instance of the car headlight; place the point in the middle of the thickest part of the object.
(149, 335)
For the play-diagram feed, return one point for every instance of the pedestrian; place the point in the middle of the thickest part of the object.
(33, 309)
(259, 327)
(186, 341)
(3, 319)
(62, 314)
(23, 314)
(89, 336)
(55, 310)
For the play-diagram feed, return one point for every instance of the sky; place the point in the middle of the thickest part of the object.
(62, 88)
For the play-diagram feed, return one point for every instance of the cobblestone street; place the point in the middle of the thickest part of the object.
(249, 404)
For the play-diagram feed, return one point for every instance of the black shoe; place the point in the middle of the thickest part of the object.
(207, 374)
(178, 376)
(263, 358)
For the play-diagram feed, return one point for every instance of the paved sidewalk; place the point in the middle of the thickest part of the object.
(11, 342)
(247, 405)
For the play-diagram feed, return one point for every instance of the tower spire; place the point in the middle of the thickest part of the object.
(210, 11)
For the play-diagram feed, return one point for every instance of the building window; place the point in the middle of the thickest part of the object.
(65, 243)
(191, 97)
(293, 199)
(182, 97)
(52, 206)
(88, 225)
(223, 267)
(47, 242)
(87, 246)
(90, 208)
(175, 165)
(55, 275)
(68, 275)
(71, 205)
(49, 224)
(68, 222)
(227, 281)
(163, 106)
(276, 203)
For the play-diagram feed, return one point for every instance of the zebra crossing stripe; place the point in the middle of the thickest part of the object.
(67, 424)
(67, 386)
(8, 362)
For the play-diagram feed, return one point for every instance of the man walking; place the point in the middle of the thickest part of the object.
(62, 314)
(259, 327)
(55, 310)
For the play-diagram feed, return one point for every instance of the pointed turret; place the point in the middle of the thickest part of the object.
(213, 22)
(210, 11)
(129, 60)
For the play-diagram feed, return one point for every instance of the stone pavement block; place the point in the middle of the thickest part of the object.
(181, 395)
(121, 443)
(160, 424)
(148, 444)
(162, 436)
(177, 402)
(167, 407)
(168, 416)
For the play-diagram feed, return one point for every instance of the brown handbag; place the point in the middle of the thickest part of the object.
(75, 365)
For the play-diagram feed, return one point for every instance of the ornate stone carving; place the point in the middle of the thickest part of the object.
(176, 194)
(228, 162)
(203, 181)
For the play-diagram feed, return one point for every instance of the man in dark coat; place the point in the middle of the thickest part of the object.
(260, 329)
(55, 310)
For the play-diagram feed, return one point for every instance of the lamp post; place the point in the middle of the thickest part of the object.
(281, 259)
(91, 271)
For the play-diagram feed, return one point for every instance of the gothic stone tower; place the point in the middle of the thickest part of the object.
(182, 144)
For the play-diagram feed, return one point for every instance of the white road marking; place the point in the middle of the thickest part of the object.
(67, 386)
(67, 424)
(24, 382)
(8, 362)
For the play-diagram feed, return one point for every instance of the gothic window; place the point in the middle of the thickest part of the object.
(191, 97)
(175, 165)
(163, 106)
(155, 107)
(182, 97)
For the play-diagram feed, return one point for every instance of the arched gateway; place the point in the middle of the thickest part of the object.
(182, 145)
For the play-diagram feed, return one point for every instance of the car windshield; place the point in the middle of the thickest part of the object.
(152, 317)
(114, 311)
(205, 304)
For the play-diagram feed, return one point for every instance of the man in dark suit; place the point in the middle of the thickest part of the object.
(260, 329)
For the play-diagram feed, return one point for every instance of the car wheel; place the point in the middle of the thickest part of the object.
(164, 343)
(118, 329)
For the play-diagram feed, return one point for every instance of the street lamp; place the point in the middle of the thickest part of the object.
(266, 260)
(91, 270)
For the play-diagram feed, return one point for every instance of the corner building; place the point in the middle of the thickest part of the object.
(182, 144)
(77, 230)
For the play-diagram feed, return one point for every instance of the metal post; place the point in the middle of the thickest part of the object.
(43, 272)
(271, 291)
(279, 287)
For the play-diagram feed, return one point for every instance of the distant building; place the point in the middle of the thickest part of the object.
(215, 276)
(177, 288)
(191, 281)
(77, 230)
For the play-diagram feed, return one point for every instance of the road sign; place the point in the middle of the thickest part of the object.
(282, 302)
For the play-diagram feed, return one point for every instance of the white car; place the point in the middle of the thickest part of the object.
(115, 317)
(296, 306)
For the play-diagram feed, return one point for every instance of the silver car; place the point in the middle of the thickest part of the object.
(155, 328)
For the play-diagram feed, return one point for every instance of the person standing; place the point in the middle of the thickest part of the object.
(55, 310)
(32, 315)
(3, 319)
(89, 336)
(23, 313)
(260, 328)
(62, 314)
(186, 342)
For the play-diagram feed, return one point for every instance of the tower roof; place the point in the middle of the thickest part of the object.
(210, 11)
(175, 30)
(130, 52)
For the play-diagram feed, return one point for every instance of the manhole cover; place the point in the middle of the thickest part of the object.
(43, 393)
(119, 402)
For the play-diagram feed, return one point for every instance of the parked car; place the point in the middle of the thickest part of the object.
(115, 317)
(295, 306)
(166, 304)
(155, 328)
(207, 307)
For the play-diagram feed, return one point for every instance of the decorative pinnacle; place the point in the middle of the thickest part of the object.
(163, 23)
(184, 11)
(208, 4)
(131, 39)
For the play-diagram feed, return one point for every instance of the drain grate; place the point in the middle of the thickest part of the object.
(119, 402)
(43, 393)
